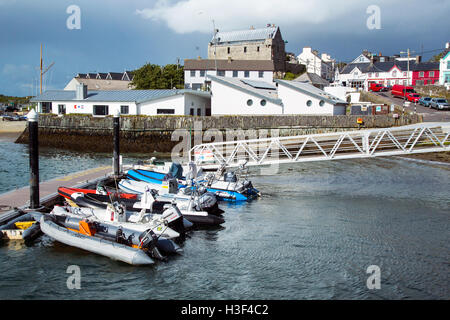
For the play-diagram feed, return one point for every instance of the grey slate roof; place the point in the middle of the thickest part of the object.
(246, 35)
(312, 78)
(137, 96)
(254, 89)
(311, 90)
(233, 65)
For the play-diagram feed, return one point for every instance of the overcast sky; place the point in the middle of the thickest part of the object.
(118, 35)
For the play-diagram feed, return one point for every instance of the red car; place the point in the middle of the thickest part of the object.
(376, 87)
(413, 97)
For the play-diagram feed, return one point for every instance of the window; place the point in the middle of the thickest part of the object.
(191, 112)
(321, 103)
(101, 110)
(124, 110)
(394, 73)
(377, 74)
(61, 109)
(421, 74)
(261, 74)
(309, 103)
(235, 74)
(263, 102)
(202, 73)
(370, 75)
(245, 49)
(199, 111)
(221, 73)
(405, 74)
(431, 74)
(249, 102)
(257, 49)
(228, 50)
(208, 112)
(448, 65)
(165, 111)
(355, 74)
(246, 74)
(192, 73)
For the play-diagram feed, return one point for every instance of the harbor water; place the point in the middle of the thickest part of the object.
(312, 235)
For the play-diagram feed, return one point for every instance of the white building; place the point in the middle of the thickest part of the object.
(196, 72)
(323, 66)
(129, 102)
(444, 67)
(306, 99)
(248, 97)
(233, 96)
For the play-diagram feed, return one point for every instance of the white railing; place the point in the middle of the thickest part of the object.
(419, 138)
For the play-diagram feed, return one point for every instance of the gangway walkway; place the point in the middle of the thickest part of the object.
(367, 143)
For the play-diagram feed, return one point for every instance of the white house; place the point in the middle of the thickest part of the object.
(322, 66)
(197, 71)
(444, 67)
(306, 99)
(129, 102)
(243, 97)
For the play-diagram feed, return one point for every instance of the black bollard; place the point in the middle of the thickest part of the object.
(34, 158)
(116, 121)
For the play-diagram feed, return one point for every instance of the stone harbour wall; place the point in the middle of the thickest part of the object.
(149, 134)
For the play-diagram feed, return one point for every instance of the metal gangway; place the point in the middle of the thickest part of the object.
(366, 143)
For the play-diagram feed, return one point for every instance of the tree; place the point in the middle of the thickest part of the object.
(437, 57)
(153, 76)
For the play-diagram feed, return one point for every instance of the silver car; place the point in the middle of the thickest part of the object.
(439, 103)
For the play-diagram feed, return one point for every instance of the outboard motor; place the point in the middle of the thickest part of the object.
(101, 189)
(174, 220)
(206, 202)
(173, 185)
(147, 242)
(230, 177)
(176, 170)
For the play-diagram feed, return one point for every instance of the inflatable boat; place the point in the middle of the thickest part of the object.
(119, 217)
(231, 190)
(25, 227)
(83, 237)
(147, 201)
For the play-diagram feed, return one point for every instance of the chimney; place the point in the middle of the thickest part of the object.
(81, 91)
(418, 59)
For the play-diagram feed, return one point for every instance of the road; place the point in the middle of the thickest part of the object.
(429, 115)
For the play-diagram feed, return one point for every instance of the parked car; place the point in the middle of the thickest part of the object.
(425, 101)
(413, 97)
(386, 88)
(376, 87)
(439, 104)
(401, 91)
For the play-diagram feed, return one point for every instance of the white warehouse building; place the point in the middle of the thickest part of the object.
(128, 102)
(306, 99)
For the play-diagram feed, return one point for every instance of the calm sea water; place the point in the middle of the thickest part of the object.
(312, 235)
